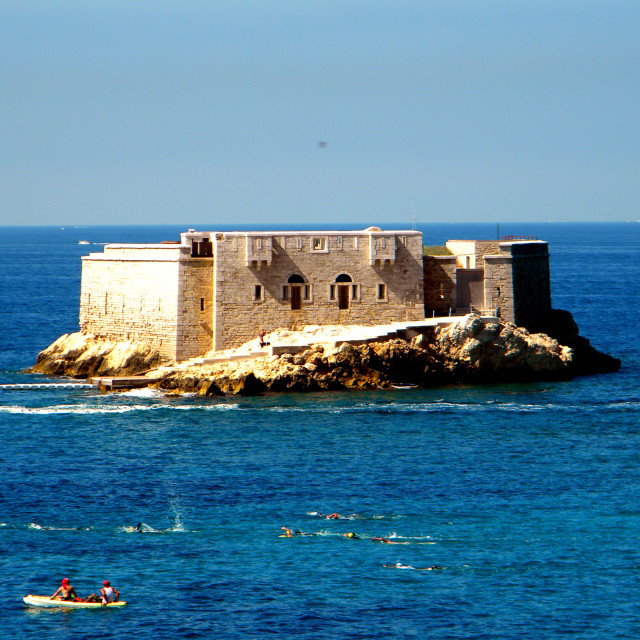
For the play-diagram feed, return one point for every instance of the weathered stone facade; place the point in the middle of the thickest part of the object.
(439, 277)
(512, 277)
(149, 293)
(217, 290)
(517, 283)
(266, 280)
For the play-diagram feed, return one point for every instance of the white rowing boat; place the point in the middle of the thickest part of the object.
(45, 601)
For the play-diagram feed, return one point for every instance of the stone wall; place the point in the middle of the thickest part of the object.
(484, 248)
(531, 284)
(148, 293)
(517, 283)
(385, 272)
(195, 308)
(184, 303)
(498, 285)
(439, 274)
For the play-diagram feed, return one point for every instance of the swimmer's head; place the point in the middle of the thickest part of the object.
(351, 534)
(65, 581)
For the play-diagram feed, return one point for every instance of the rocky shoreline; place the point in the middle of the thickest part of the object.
(473, 350)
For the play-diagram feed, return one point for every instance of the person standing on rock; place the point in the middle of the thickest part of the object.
(261, 340)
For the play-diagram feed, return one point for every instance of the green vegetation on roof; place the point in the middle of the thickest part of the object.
(435, 250)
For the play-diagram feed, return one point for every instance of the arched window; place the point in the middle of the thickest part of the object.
(296, 278)
(343, 277)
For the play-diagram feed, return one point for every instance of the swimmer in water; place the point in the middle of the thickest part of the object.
(400, 565)
(351, 536)
(289, 534)
(141, 527)
(39, 527)
(384, 540)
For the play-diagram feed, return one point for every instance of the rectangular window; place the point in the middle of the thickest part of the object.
(257, 292)
(382, 291)
(307, 292)
(403, 239)
(285, 292)
(299, 243)
(319, 245)
(201, 304)
(339, 243)
(355, 291)
(258, 243)
(355, 243)
(332, 292)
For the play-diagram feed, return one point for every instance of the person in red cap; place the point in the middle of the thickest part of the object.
(107, 595)
(65, 592)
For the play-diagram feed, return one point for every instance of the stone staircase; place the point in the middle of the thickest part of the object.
(405, 329)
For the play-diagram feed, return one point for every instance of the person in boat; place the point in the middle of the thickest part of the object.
(65, 592)
(107, 595)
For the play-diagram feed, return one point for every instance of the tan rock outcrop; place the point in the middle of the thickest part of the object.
(82, 355)
(494, 349)
(471, 350)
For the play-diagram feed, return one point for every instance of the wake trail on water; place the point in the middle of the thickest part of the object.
(85, 409)
(369, 408)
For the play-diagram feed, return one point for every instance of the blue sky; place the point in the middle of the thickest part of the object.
(211, 112)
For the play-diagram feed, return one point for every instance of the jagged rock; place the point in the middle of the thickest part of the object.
(497, 351)
(83, 355)
(242, 384)
(587, 360)
(470, 350)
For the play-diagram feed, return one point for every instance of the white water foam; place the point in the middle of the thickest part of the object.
(84, 409)
(392, 407)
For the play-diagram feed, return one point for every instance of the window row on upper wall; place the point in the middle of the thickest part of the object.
(320, 244)
(343, 292)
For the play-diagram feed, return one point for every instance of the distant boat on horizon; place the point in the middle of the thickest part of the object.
(83, 242)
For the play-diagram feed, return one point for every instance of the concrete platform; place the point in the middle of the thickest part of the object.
(109, 383)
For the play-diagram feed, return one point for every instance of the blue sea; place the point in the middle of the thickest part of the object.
(525, 496)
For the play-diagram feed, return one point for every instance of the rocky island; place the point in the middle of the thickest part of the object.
(360, 309)
(471, 350)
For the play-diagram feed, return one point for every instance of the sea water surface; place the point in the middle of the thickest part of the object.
(524, 496)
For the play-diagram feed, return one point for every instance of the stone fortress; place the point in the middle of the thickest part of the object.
(214, 291)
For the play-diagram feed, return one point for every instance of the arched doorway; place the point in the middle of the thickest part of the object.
(343, 287)
(295, 282)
